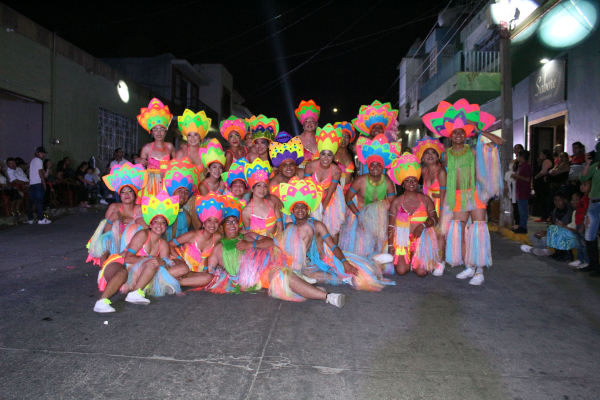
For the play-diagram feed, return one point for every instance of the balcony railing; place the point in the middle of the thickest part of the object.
(463, 61)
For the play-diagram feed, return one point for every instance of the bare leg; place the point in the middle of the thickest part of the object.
(179, 269)
(116, 276)
(462, 217)
(145, 277)
(196, 279)
(300, 287)
(401, 267)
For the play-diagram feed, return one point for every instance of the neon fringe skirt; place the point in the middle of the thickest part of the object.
(162, 283)
(365, 235)
(334, 216)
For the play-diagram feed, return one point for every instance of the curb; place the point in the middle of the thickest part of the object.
(51, 213)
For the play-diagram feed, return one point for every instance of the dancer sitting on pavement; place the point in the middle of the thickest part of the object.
(260, 215)
(123, 218)
(326, 174)
(313, 251)
(144, 268)
(155, 156)
(179, 181)
(371, 121)
(429, 151)
(473, 178)
(364, 233)
(194, 128)
(249, 264)
(411, 232)
(214, 160)
(263, 131)
(233, 129)
(343, 157)
(197, 245)
(308, 114)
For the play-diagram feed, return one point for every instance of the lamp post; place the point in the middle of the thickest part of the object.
(506, 118)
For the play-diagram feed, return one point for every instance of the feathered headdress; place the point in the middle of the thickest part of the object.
(211, 205)
(377, 150)
(233, 124)
(450, 117)
(374, 114)
(180, 173)
(290, 150)
(300, 191)
(156, 114)
(263, 127)
(257, 171)
(236, 172)
(213, 152)
(190, 122)
(134, 176)
(161, 204)
(404, 166)
(346, 127)
(231, 207)
(307, 109)
(426, 143)
(329, 138)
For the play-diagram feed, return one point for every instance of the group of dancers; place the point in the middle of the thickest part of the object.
(285, 213)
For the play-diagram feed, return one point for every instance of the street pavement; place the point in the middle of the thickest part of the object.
(531, 331)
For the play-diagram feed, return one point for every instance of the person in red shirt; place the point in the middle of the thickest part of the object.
(558, 149)
(523, 189)
(578, 153)
(580, 212)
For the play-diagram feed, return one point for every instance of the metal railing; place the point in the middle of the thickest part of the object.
(463, 61)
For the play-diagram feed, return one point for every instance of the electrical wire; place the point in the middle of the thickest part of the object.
(278, 32)
(278, 81)
(246, 31)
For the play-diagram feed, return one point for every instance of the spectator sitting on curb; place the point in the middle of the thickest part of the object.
(16, 175)
(14, 196)
(556, 236)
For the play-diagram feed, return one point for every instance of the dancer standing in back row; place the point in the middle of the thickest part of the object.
(155, 156)
(474, 176)
(308, 115)
(194, 128)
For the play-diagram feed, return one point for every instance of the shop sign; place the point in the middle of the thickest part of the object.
(547, 85)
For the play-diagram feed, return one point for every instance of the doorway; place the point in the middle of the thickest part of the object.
(20, 126)
(545, 135)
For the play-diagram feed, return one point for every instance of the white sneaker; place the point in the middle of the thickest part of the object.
(103, 306)
(383, 258)
(347, 281)
(336, 299)
(45, 221)
(575, 263)
(137, 297)
(477, 280)
(542, 252)
(102, 201)
(467, 273)
(526, 249)
(30, 222)
(582, 265)
(439, 269)
(169, 289)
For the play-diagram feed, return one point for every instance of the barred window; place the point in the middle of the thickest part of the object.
(114, 131)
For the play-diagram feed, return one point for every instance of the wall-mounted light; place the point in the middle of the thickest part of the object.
(123, 91)
(54, 141)
(544, 60)
(10, 30)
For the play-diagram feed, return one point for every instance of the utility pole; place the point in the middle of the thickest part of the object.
(507, 119)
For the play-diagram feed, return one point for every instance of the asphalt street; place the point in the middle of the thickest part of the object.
(531, 331)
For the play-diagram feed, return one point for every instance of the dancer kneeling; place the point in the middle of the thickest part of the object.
(304, 240)
(145, 267)
(412, 218)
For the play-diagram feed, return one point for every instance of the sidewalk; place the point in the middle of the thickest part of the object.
(52, 214)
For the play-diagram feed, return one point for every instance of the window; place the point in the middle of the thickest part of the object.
(114, 131)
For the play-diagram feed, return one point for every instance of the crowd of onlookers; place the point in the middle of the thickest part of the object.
(559, 192)
(43, 185)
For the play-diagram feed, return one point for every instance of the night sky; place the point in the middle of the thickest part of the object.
(368, 40)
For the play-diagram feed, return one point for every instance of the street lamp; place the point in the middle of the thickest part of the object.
(335, 110)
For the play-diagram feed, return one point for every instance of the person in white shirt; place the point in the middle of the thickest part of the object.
(37, 187)
(16, 174)
(119, 160)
